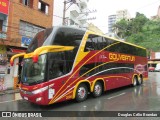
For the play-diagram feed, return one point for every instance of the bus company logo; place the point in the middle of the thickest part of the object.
(140, 68)
(121, 57)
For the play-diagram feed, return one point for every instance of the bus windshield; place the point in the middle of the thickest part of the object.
(58, 63)
(63, 36)
(33, 73)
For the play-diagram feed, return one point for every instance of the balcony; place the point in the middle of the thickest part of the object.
(83, 3)
(75, 10)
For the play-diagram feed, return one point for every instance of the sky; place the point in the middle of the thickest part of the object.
(108, 7)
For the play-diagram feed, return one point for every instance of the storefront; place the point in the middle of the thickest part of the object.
(15, 70)
(3, 67)
(9, 75)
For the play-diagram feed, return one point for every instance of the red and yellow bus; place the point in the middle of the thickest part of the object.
(64, 63)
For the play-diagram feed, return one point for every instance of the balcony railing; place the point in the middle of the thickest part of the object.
(75, 10)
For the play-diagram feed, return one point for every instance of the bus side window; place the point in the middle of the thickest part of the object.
(91, 43)
(96, 42)
(89, 46)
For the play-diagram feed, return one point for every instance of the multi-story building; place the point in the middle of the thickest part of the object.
(20, 20)
(112, 19)
(156, 16)
(154, 60)
(111, 22)
(122, 14)
(75, 13)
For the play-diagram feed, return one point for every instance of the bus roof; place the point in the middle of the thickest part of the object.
(92, 32)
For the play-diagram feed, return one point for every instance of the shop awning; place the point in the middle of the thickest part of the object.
(14, 50)
(153, 62)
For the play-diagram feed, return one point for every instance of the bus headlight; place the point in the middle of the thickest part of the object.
(40, 90)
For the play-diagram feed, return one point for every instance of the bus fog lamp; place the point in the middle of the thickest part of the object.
(39, 99)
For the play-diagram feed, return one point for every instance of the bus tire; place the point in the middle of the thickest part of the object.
(135, 81)
(97, 91)
(81, 93)
(140, 80)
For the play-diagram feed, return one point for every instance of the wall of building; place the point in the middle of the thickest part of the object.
(111, 22)
(19, 11)
(154, 55)
(122, 14)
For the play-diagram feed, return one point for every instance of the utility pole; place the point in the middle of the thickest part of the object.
(64, 12)
(65, 8)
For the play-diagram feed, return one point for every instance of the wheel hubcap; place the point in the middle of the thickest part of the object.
(97, 89)
(81, 92)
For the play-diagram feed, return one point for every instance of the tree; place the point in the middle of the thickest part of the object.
(137, 23)
(120, 28)
(141, 31)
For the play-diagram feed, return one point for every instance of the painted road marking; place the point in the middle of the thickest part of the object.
(116, 96)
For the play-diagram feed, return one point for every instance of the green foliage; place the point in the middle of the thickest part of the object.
(141, 31)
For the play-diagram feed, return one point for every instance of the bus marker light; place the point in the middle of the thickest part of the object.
(11, 63)
(35, 58)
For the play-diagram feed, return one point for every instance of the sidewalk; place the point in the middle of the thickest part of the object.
(9, 91)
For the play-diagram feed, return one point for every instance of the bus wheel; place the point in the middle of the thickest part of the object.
(134, 81)
(97, 91)
(81, 93)
(140, 80)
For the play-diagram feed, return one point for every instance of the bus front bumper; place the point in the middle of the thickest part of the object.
(34, 98)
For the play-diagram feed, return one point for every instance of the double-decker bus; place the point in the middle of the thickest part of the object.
(64, 63)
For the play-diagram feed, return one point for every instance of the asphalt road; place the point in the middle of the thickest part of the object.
(140, 98)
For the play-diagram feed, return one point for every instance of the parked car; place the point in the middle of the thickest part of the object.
(151, 69)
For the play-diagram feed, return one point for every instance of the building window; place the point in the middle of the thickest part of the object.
(3, 26)
(28, 29)
(43, 7)
(28, 3)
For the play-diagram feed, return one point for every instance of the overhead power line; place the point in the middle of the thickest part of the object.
(148, 4)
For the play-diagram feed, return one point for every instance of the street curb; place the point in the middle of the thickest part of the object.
(9, 92)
